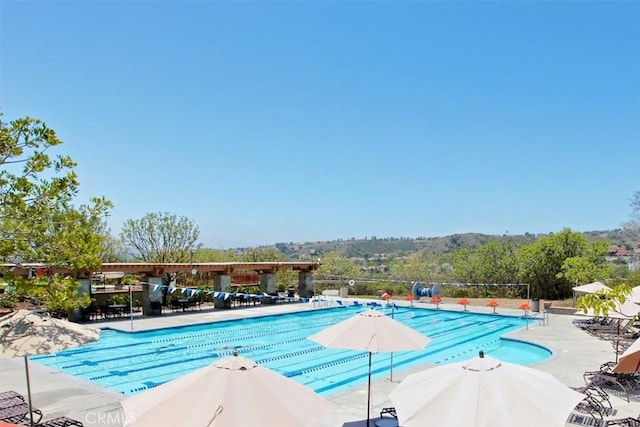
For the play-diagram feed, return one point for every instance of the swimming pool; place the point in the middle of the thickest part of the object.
(130, 362)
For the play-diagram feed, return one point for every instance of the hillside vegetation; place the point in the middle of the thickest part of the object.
(398, 247)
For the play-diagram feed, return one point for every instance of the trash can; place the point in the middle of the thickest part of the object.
(535, 306)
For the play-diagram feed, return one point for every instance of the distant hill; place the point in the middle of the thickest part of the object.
(392, 247)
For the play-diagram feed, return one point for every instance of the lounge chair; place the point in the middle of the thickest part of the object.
(11, 401)
(10, 394)
(624, 422)
(388, 421)
(19, 414)
(598, 398)
(391, 411)
(593, 408)
(60, 422)
(606, 378)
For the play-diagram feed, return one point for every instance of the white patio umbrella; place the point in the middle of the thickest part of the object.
(231, 392)
(589, 288)
(624, 311)
(483, 392)
(374, 332)
(635, 295)
(592, 288)
(27, 333)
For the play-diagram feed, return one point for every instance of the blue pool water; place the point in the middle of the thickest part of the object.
(130, 362)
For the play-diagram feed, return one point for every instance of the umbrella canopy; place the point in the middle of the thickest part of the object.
(634, 296)
(592, 288)
(25, 333)
(374, 332)
(371, 331)
(629, 362)
(483, 392)
(623, 310)
(234, 391)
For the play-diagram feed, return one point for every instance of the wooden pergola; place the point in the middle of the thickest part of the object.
(159, 269)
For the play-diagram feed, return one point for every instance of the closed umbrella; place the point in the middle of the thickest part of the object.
(483, 392)
(374, 332)
(232, 392)
(27, 333)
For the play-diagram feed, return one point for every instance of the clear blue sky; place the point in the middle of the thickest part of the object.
(283, 121)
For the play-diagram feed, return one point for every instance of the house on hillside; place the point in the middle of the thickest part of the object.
(619, 255)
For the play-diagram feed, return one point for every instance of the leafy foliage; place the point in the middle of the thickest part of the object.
(38, 222)
(161, 237)
(542, 262)
(336, 265)
(601, 303)
(32, 183)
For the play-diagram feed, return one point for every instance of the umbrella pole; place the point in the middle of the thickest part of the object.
(617, 341)
(26, 369)
(391, 362)
(131, 305)
(369, 392)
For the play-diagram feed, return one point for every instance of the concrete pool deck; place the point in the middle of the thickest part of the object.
(59, 394)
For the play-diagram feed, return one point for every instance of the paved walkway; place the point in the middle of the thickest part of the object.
(58, 394)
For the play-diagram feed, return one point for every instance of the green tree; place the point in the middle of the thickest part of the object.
(283, 278)
(465, 268)
(582, 270)
(112, 248)
(263, 255)
(214, 255)
(38, 222)
(71, 242)
(32, 183)
(497, 261)
(542, 262)
(335, 265)
(414, 268)
(161, 237)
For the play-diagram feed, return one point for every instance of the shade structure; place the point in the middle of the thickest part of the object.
(483, 392)
(27, 333)
(635, 295)
(629, 361)
(373, 332)
(592, 288)
(233, 391)
(622, 310)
